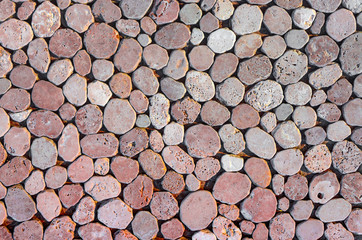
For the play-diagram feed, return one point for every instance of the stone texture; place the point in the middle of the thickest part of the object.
(221, 40)
(133, 142)
(164, 206)
(17, 141)
(317, 159)
(128, 55)
(277, 20)
(258, 172)
(43, 152)
(138, 194)
(323, 187)
(255, 137)
(224, 66)
(116, 111)
(302, 210)
(115, 214)
(18, 34)
(338, 29)
(350, 56)
(177, 65)
(101, 166)
(351, 188)
(346, 157)
(124, 169)
(224, 229)
(102, 187)
(85, 211)
(70, 195)
(172, 36)
(178, 159)
(322, 50)
(246, 19)
(335, 210)
(48, 204)
(254, 70)
(282, 226)
(46, 95)
(19, 205)
(145, 225)
(15, 100)
(296, 187)
(99, 145)
(152, 163)
(155, 56)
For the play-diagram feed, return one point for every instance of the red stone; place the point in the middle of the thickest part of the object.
(85, 211)
(17, 141)
(38, 53)
(164, 206)
(172, 229)
(48, 204)
(70, 194)
(124, 169)
(99, 145)
(82, 63)
(128, 55)
(44, 123)
(32, 229)
(89, 119)
(55, 177)
(65, 43)
(282, 227)
(296, 187)
(173, 36)
(15, 171)
(81, 169)
(138, 193)
(152, 163)
(95, 229)
(47, 96)
(121, 85)
(178, 159)
(15, 100)
(164, 11)
(23, 76)
(173, 182)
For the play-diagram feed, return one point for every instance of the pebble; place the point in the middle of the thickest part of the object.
(352, 5)
(84, 213)
(335, 210)
(43, 152)
(177, 65)
(138, 193)
(304, 17)
(90, 230)
(229, 211)
(152, 163)
(102, 70)
(302, 210)
(288, 162)
(159, 111)
(101, 40)
(317, 159)
(209, 23)
(145, 225)
(353, 222)
(128, 27)
(290, 67)
(255, 137)
(284, 111)
(20, 116)
(106, 10)
(99, 145)
(178, 159)
(247, 45)
(224, 66)
(322, 50)
(305, 117)
(246, 19)
(163, 12)
(114, 113)
(277, 20)
(287, 135)
(124, 234)
(329, 112)
(135, 9)
(296, 187)
(198, 210)
(124, 169)
(338, 131)
(254, 69)
(202, 141)
(357, 86)
(190, 14)
(7, 10)
(336, 231)
(247, 227)
(99, 93)
(19, 204)
(192, 183)
(214, 113)
(230, 92)
(5, 85)
(3, 191)
(39, 121)
(204, 234)
(356, 136)
(274, 46)
(138, 101)
(352, 112)
(298, 93)
(29, 229)
(324, 5)
(350, 188)
(232, 163)
(323, 187)
(25, 10)
(17, 141)
(59, 71)
(224, 229)
(65, 43)
(155, 56)
(318, 23)
(68, 144)
(339, 29)
(206, 168)
(63, 4)
(143, 121)
(15, 100)
(70, 194)
(82, 63)
(145, 80)
(121, 85)
(144, 39)
(173, 89)
(173, 134)
(79, 17)
(35, 183)
(46, 95)
(350, 56)
(258, 172)
(296, 39)
(326, 76)
(260, 206)
(223, 9)
(60, 227)
(44, 25)
(15, 171)
(282, 226)
(244, 116)
(48, 204)
(221, 40)
(56, 177)
(283, 204)
(185, 111)
(165, 37)
(260, 232)
(164, 206)
(346, 157)
(133, 142)
(102, 187)
(115, 214)
(75, 90)
(18, 34)
(172, 229)
(268, 121)
(81, 170)
(128, 56)
(173, 182)
(23, 77)
(201, 58)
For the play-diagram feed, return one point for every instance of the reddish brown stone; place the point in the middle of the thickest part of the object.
(247, 227)
(214, 113)
(247, 45)
(224, 66)
(128, 55)
(23, 76)
(296, 187)
(155, 56)
(231, 188)
(19, 205)
(65, 43)
(32, 229)
(128, 27)
(172, 229)
(38, 53)
(185, 111)
(277, 20)
(201, 58)
(254, 70)
(152, 164)
(258, 172)
(70, 194)
(79, 17)
(322, 50)
(115, 214)
(148, 25)
(138, 193)
(5, 233)
(82, 63)
(44, 123)
(67, 112)
(177, 65)
(19, 57)
(206, 168)
(225, 229)
(115, 112)
(106, 10)
(209, 23)
(15, 171)
(163, 205)
(244, 116)
(353, 222)
(121, 85)
(89, 119)
(283, 204)
(261, 232)
(329, 112)
(173, 182)
(99, 145)
(18, 34)
(145, 80)
(81, 169)
(95, 229)
(15, 100)
(155, 141)
(124, 169)
(85, 211)
(165, 11)
(101, 40)
(59, 71)
(25, 10)
(282, 227)
(173, 36)
(47, 96)
(229, 211)
(7, 10)
(260, 206)
(134, 142)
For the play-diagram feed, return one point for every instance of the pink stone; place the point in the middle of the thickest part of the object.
(48, 204)
(38, 53)
(247, 227)
(17, 141)
(7, 64)
(165, 11)
(283, 204)
(19, 205)
(350, 55)
(101, 166)
(106, 10)
(79, 17)
(135, 9)
(340, 24)
(56, 177)
(296, 187)
(260, 232)
(35, 182)
(128, 27)
(138, 194)
(115, 214)
(156, 141)
(70, 194)
(346, 157)
(317, 159)
(277, 20)
(245, 116)
(25, 10)
(7, 10)
(23, 76)
(322, 50)
(278, 184)
(336, 231)
(95, 231)
(247, 45)
(289, 4)
(133, 142)
(44, 25)
(121, 85)
(214, 113)
(47, 96)
(329, 112)
(102, 187)
(3, 213)
(164, 206)
(138, 101)
(85, 211)
(351, 188)
(15, 100)
(68, 143)
(65, 43)
(155, 56)
(44, 123)
(198, 210)
(173, 182)
(89, 119)
(335, 210)
(258, 172)
(82, 63)
(302, 210)
(128, 55)
(274, 46)
(18, 57)
(352, 113)
(5, 233)
(3, 191)
(119, 111)
(282, 227)
(201, 58)
(172, 229)
(124, 235)
(209, 23)
(32, 229)
(145, 80)
(124, 169)
(224, 66)
(173, 36)
(256, 137)
(152, 163)
(229, 211)
(225, 229)
(18, 34)
(81, 169)
(185, 111)
(353, 222)
(145, 225)
(178, 65)
(99, 145)
(254, 69)
(15, 171)
(310, 229)
(206, 168)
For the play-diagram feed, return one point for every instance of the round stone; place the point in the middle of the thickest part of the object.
(326, 6)
(162, 13)
(44, 153)
(133, 142)
(48, 204)
(29, 229)
(128, 55)
(340, 24)
(44, 123)
(206, 168)
(224, 66)
(19, 204)
(247, 45)
(23, 76)
(15, 34)
(214, 113)
(79, 17)
(124, 169)
(255, 137)
(102, 69)
(38, 53)
(352, 112)
(318, 98)
(145, 225)
(296, 187)
(99, 145)
(178, 159)
(60, 71)
(173, 36)
(350, 187)
(101, 40)
(15, 100)
(172, 229)
(288, 162)
(17, 141)
(70, 194)
(258, 171)
(190, 14)
(277, 20)
(91, 229)
(244, 116)
(15, 171)
(304, 17)
(102, 187)
(135, 9)
(81, 169)
(298, 93)
(340, 92)
(82, 63)
(323, 187)
(335, 210)
(337, 231)
(346, 157)
(85, 211)
(326, 76)
(296, 39)
(225, 229)
(350, 57)
(282, 226)
(121, 85)
(106, 10)
(329, 112)
(304, 117)
(198, 210)
(35, 183)
(173, 89)
(173, 182)
(338, 131)
(230, 92)
(159, 111)
(201, 58)
(145, 80)
(177, 65)
(274, 46)
(116, 111)
(65, 43)
(322, 50)
(164, 206)
(185, 111)
(45, 19)
(152, 163)
(200, 86)
(138, 193)
(209, 23)
(255, 69)
(221, 40)
(99, 93)
(302, 210)
(128, 27)
(354, 220)
(246, 19)
(47, 96)
(155, 56)
(75, 90)
(56, 177)
(138, 101)
(317, 159)
(260, 206)
(115, 214)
